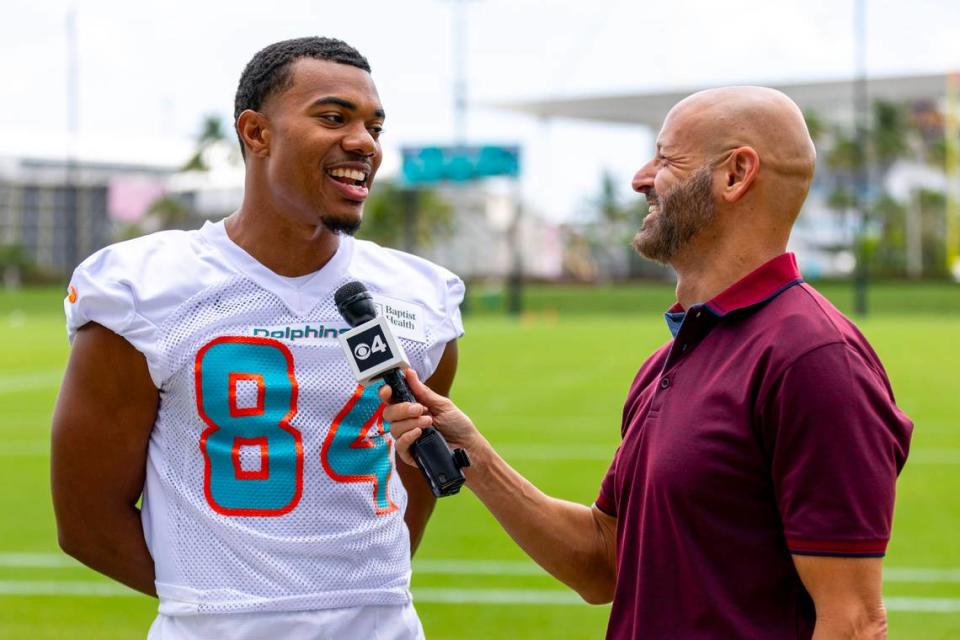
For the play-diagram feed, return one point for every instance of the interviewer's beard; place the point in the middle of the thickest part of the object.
(682, 212)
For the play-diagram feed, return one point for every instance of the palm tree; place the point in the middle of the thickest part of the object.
(211, 131)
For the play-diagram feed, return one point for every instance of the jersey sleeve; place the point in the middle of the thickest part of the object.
(100, 292)
(838, 443)
(449, 325)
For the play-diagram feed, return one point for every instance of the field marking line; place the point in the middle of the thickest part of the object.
(26, 560)
(922, 605)
(554, 453)
(71, 588)
(458, 567)
(423, 595)
(916, 574)
(593, 453)
(934, 456)
(478, 567)
(25, 449)
(49, 379)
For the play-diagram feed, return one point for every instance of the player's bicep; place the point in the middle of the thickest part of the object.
(441, 380)
(101, 426)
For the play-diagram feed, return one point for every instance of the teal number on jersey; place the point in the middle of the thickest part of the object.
(356, 448)
(257, 423)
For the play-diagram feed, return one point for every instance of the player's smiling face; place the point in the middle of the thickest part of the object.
(324, 147)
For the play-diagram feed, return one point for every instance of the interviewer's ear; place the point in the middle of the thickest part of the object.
(253, 128)
(739, 171)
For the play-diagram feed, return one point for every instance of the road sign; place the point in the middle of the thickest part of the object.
(430, 165)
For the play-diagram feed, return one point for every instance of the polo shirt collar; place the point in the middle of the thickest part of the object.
(757, 287)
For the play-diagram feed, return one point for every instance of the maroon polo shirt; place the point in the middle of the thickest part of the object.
(767, 427)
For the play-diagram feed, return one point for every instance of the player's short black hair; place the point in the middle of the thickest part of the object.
(269, 69)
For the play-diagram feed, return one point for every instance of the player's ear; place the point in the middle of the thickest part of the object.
(254, 130)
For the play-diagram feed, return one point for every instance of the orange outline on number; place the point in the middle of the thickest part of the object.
(283, 424)
(359, 443)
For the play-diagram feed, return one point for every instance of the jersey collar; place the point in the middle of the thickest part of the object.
(300, 294)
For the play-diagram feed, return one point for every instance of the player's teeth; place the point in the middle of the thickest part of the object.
(351, 174)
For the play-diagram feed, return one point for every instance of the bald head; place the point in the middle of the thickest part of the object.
(719, 121)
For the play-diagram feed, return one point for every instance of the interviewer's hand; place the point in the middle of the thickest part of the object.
(408, 419)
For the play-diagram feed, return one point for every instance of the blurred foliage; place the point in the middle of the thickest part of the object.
(404, 218)
(13, 262)
(897, 132)
(211, 131)
(165, 213)
(815, 124)
(602, 246)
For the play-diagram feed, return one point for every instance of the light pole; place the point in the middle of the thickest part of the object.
(861, 170)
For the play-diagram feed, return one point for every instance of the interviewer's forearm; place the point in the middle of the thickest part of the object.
(562, 537)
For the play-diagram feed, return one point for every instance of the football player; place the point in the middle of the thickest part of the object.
(205, 377)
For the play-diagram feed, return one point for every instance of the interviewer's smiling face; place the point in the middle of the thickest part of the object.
(678, 185)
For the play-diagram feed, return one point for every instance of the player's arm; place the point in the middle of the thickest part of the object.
(101, 426)
(846, 593)
(420, 500)
(574, 543)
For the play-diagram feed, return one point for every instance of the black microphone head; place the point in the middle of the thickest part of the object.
(354, 303)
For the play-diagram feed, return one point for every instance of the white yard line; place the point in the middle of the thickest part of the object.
(914, 574)
(423, 595)
(922, 605)
(25, 449)
(30, 381)
(459, 567)
(478, 567)
(553, 453)
(37, 560)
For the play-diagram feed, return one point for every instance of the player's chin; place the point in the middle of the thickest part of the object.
(345, 222)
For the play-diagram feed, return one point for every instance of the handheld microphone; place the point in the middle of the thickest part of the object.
(373, 352)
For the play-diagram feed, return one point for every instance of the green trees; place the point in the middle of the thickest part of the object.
(404, 218)
(904, 235)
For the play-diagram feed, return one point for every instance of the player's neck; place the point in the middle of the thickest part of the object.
(283, 246)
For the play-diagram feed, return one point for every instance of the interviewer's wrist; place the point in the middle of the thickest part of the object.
(480, 453)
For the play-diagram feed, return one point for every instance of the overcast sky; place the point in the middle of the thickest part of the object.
(152, 70)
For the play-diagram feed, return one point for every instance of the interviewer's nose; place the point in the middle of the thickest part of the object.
(643, 179)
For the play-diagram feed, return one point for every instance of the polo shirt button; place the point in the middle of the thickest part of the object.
(664, 383)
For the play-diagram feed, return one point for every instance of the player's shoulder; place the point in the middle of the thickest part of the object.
(373, 255)
(397, 271)
(152, 274)
(163, 251)
(412, 291)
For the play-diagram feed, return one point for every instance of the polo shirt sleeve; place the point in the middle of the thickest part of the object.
(838, 443)
(606, 501)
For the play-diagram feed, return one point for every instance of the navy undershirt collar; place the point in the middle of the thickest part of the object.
(674, 320)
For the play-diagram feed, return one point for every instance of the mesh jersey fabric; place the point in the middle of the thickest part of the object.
(270, 481)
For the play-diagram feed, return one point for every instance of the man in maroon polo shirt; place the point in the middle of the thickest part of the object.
(752, 493)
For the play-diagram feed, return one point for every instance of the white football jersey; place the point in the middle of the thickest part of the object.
(270, 481)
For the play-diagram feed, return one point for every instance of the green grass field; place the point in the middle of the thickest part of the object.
(547, 390)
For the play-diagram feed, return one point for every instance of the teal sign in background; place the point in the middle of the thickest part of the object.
(429, 165)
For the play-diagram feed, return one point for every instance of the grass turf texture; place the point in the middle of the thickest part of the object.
(547, 391)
